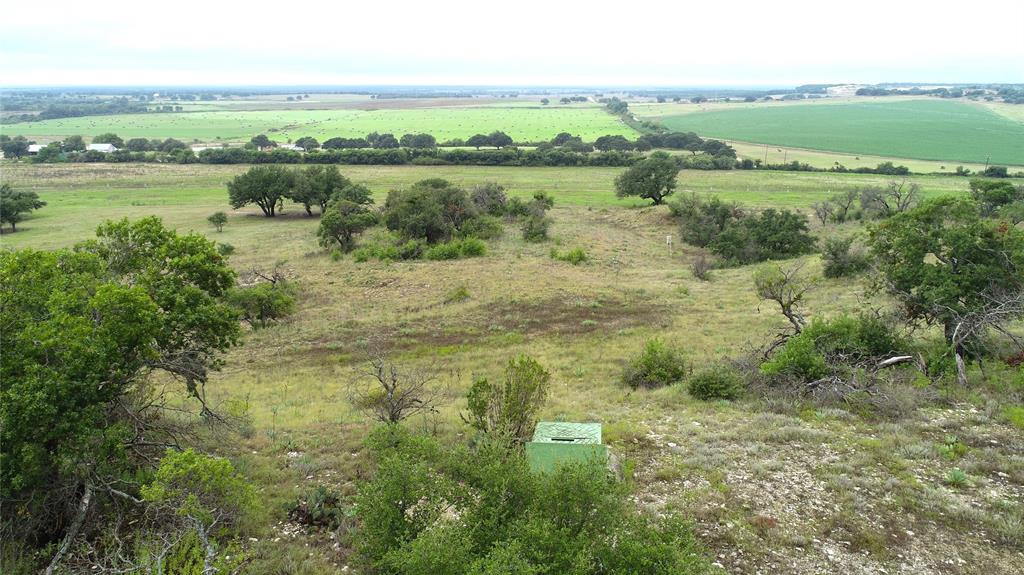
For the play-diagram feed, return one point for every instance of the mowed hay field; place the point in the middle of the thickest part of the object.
(771, 489)
(921, 129)
(523, 122)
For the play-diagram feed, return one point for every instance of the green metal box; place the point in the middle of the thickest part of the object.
(556, 443)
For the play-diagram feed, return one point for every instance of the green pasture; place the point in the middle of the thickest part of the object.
(922, 129)
(521, 122)
(80, 196)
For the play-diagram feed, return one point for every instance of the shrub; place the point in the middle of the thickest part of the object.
(772, 234)
(509, 410)
(456, 249)
(459, 294)
(490, 198)
(827, 346)
(535, 228)
(702, 220)
(482, 512)
(716, 383)
(218, 219)
(483, 227)
(262, 304)
(574, 256)
(841, 259)
(408, 250)
(657, 366)
(701, 267)
(225, 249)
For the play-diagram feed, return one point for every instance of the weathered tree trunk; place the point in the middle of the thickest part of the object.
(76, 526)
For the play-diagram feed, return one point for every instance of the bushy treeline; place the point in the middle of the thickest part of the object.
(1011, 94)
(74, 108)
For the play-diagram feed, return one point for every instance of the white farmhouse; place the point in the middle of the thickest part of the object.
(105, 148)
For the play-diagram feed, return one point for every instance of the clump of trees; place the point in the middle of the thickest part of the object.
(496, 139)
(739, 237)
(268, 187)
(872, 202)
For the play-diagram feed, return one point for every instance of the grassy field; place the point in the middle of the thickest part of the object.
(771, 487)
(80, 196)
(922, 129)
(522, 122)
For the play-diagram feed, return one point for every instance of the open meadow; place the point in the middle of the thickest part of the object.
(772, 486)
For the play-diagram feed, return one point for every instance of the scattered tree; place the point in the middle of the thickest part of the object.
(109, 138)
(16, 204)
(218, 219)
(653, 178)
(342, 221)
(307, 143)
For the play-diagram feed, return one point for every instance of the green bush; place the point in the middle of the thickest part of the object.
(842, 259)
(574, 256)
(408, 250)
(716, 383)
(262, 304)
(482, 227)
(225, 249)
(827, 346)
(535, 228)
(456, 249)
(490, 198)
(657, 366)
(474, 512)
(509, 410)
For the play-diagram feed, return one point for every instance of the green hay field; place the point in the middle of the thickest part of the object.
(920, 129)
(520, 122)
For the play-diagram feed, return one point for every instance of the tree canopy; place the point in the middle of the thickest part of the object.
(653, 178)
(16, 204)
(943, 260)
(83, 328)
(263, 186)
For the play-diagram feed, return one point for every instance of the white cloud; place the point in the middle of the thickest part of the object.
(523, 42)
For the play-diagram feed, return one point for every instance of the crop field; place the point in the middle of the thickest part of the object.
(771, 488)
(921, 129)
(522, 122)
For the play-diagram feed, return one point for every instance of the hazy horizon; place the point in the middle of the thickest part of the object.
(531, 43)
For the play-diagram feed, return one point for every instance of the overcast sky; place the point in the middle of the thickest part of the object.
(515, 42)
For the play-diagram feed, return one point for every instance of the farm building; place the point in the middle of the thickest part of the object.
(557, 443)
(33, 149)
(105, 148)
